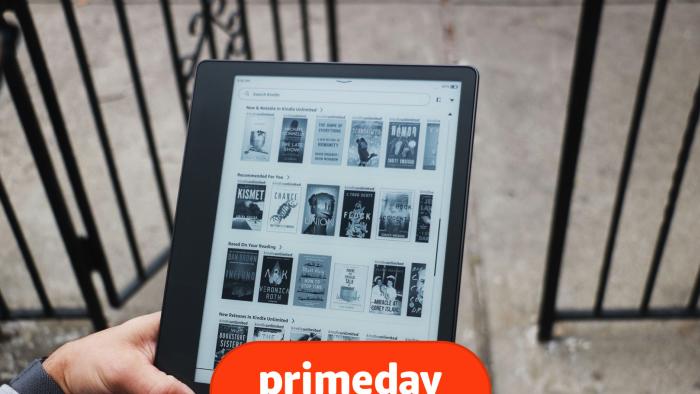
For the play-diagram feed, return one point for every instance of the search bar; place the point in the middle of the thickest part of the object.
(336, 96)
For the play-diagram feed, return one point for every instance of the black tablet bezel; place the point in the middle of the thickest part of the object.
(200, 180)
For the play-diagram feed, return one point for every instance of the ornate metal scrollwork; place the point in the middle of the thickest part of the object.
(222, 19)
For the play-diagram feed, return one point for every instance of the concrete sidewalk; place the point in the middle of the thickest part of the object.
(524, 52)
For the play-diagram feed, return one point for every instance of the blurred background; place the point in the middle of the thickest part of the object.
(584, 168)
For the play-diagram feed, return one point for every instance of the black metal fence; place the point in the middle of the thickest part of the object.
(578, 97)
(215, 19)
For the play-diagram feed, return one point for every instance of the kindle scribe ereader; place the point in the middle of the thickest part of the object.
(317, 202)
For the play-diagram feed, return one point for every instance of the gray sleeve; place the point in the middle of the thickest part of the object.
(34, 380)
(5, 389)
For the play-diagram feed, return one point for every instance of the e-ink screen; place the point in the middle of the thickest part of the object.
(332, 213)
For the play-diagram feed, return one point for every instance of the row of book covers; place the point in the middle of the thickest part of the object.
(320, 211)
(311, 289)
(234, 332)
(364, 146)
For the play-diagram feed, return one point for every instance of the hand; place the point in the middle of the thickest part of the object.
(116, 360)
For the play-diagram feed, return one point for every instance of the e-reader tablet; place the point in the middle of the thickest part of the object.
(317, 202)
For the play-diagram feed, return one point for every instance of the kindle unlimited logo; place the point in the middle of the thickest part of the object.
(350, 368)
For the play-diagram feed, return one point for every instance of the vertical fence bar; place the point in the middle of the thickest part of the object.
(208, 30)
(243, 12)
(4, 309)
(93, 243)
(630, 147)
(304, 9)
(332, 31)
(6, 43)
(578, 98)
(695, 293)
(678, 173)
(101, 128)
(24, 250)
(143, 109)
(8, 38)
(175, 57)
(37, 144)
(277, 28)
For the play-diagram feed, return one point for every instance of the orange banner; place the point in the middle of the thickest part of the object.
(350, 367)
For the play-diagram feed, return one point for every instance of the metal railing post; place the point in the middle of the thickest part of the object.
(103, 137)
(693, 123)
(76, 252)
(580, 83)
(305, 35)
(92, 244)
(247, 47)
(695, 294)
(333, 52)
(673, 194)
(277, 29)
(140, 94)
(175, 57)
(4, 309)
(208, 30)
(29, 261)
(630, 147)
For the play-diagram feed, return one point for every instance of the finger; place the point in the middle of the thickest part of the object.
(142, 332)
(151, 326)
(150, 380)
(147, 324)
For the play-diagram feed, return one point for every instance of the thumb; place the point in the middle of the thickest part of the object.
(151, 380)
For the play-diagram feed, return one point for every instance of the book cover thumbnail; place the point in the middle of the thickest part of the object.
(358, 209)
(349, 284)
(313, 275)
(328, 141)
(285, 205)
(230, 336)
(402, 148)
(365, 142)
(257, 137)
(432, 135)
(275, 280)
(292, 140)
(387, 289)
(425, 208)
(249, 206)
(320, 210)
(239, 277)
(268, 332)
(306, 334)
(339, 335)
(395, 215)
(416, 286)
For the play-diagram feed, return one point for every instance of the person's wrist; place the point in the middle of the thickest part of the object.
(56, 366)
